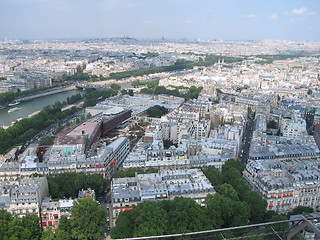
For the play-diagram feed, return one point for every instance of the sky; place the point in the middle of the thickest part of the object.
(171, 19)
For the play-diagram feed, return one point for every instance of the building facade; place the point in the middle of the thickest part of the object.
(166, 185)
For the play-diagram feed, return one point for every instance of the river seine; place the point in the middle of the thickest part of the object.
(27, 108)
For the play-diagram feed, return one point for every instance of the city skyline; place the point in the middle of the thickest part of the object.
(204, 20)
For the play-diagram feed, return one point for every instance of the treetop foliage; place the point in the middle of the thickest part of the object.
(76, 181)
(189, 93)
(130, 172)
(180, 64)
(87, 223)
(233, 204)
(164, 217)
(13, 227)
(27, 128)
(156, 111)
(88, 219)
(10, 96)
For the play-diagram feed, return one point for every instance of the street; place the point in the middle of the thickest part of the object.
(247, 135)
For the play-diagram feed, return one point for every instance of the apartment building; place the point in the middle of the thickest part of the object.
(51, 211)
(285, 184)
(23, 196)
(294, 127)
(165, 185)
(105, 161)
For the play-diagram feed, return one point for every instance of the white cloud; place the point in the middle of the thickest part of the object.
(274, 16)
(249, 16)
(292, 20)
(188, 21)
(312, 13)
(299, 11)
(285, 13)
(209, 10)
(148, 21)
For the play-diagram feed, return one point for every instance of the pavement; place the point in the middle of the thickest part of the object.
(245, 146)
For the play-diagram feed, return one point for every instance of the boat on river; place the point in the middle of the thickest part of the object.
(13, 104)
(13, 109)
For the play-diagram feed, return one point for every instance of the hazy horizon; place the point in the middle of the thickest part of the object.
(240, 20)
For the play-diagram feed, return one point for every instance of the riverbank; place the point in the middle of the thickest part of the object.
(47, 93)
(36, 104)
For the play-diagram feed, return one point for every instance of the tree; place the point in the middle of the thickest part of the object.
(232, 176)
(156, 111)
(151, 220)
(272, 124)
(48, 234)
(235, 163)
(125, 225)
(214, 176)
(76, 182)
(219, 210)
(88, 219)
(31, 227)
(135, 83)
(279, 228)
(64, 224)
(161, 217)
(15, 229)
(218, 90)
(160, 90)
(228, 191)
(185, 215)
(64, 229)
(167, 144)
(124, 92)
(241, 215)
(278, 98)
(130, 92)
(5, 219)
(115, 86)
(257, 205)
(301, 210)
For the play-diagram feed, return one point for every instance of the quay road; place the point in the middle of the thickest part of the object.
(28, 108)
(42, 94)
(53, 129)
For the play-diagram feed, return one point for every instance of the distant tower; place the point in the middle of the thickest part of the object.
(4, 69)
(219, 65)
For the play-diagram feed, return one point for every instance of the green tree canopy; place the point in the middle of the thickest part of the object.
(48, 234)
(184, 215)
(151, 220)
(156, 111)
(232, 175)
(31, 227)
(115, 86)
(16, 228)
(301, 210)
(257, 205)
(76, 182)
(125, 225)
(161, 217)
(214, 176)
(228, 191)
(5, 219)
(88, 219)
